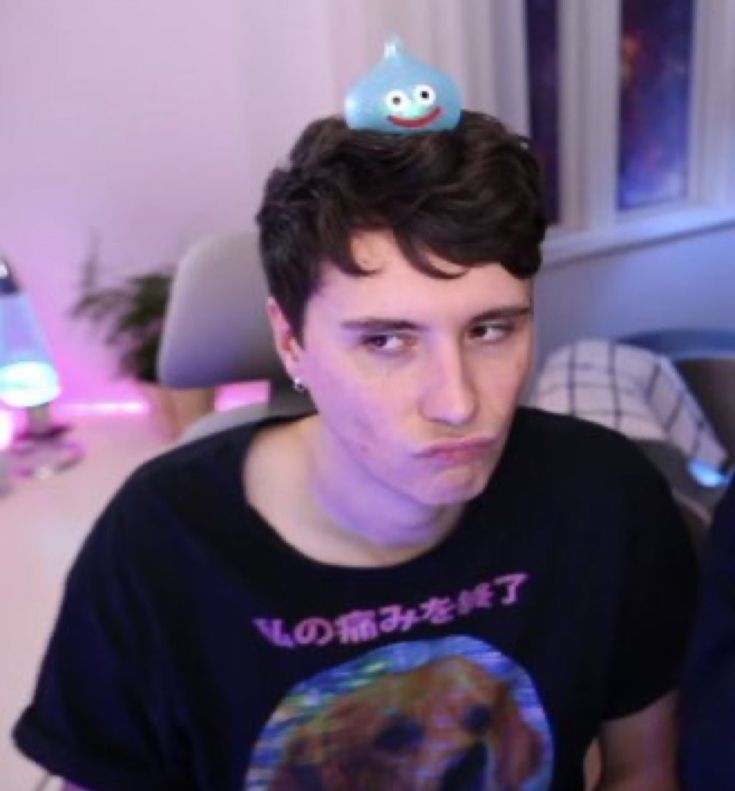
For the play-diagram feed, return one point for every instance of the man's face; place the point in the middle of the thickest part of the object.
(416, 379)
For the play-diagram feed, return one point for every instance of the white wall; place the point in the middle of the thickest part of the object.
(145, 124)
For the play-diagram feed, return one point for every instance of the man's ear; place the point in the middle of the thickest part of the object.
(285, 340)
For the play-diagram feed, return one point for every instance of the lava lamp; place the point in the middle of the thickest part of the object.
(28, 380)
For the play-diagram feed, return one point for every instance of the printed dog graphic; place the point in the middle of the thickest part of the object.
(449, 725)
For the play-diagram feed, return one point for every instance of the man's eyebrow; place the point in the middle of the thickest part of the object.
(386, 324)
(505, 312)
(373, 324)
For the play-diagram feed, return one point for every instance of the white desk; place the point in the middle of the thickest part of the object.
(42, 524)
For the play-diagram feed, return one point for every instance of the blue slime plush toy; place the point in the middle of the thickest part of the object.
(403, 95)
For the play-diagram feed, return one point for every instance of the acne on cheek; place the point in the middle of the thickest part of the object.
(360, 431)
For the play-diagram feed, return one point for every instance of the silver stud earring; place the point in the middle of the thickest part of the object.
(298, 385)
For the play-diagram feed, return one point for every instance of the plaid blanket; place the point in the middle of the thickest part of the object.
(631, 390)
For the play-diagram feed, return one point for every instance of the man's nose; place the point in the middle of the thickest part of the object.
(449, 394)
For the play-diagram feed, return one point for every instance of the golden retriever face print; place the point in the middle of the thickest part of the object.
(424, 716)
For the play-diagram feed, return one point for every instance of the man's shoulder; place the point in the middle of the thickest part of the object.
(563, 453)
(594, 478)
(570, 437)
(192, 488)
(183, 480)
(214, 451)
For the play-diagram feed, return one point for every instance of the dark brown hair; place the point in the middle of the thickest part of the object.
(471, 195)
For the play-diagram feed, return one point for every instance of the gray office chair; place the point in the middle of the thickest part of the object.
(216, 331)
(705, 358)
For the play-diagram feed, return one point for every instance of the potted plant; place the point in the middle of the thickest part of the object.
(130, 316)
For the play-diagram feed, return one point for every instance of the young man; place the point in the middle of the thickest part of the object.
(708, 710)
(419, 585)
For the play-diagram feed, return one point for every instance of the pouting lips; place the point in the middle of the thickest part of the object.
(413, 123)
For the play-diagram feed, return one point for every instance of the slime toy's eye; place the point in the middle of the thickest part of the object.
(402, 95)
(424, 94)
(396, 100)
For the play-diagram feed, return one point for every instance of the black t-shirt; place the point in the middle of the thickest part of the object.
(708, 710)
(196, 650)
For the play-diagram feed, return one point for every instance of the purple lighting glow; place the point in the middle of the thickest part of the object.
(228, 397)
(103, 408)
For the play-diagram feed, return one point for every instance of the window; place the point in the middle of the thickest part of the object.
(647, 122)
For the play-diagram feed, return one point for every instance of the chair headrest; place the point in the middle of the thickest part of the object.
(216, 330)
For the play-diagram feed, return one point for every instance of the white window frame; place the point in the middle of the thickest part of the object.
(482, 42)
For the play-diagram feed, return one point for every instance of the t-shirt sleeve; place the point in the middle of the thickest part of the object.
(98, 714)
(708, 690)
(659, 578)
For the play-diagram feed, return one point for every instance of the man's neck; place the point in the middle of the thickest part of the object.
(359, 514)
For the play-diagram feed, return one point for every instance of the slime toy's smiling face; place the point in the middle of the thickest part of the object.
(403, 95)
(413, 110)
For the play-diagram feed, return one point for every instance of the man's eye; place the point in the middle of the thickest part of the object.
(490, 333)
(386, 343)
